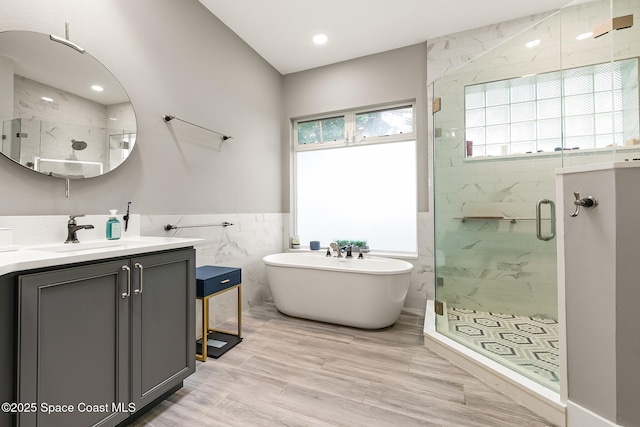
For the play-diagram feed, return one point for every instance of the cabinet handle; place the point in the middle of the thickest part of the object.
(139, 290)
(126, 294)
(225, 281)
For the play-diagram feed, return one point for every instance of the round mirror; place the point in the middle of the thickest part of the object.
(62, 113)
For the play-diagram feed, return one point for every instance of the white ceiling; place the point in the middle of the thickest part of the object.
(281, 30)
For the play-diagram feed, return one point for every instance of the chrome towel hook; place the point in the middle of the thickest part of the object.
(587, 202)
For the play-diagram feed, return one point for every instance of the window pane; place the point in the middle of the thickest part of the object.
(523, 131)
(476, 135)
(385, 122)
(578, 81)
(474, 97)
(498, 115)
(603, 101)
(523, 147)
(550, 128)
(582, 104)
(474, 117)
(314, 131)
(308, 132)
(364, 192)
(496, 134)
(602, 77)
(578, 104)
(579, 125)
(497, 93)
(549, 85)
(523, 89)
(549, 108)
(523, 111)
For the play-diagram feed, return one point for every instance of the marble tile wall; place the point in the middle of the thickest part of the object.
(51, 125)
(41, 121)
(484, 263)
(242, 245)
(490, 264)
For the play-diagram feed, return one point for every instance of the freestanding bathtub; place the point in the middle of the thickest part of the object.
(365, 293)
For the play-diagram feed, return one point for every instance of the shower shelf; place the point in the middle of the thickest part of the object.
(493, 218)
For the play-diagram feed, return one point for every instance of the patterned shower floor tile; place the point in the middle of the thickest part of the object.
(528, 345)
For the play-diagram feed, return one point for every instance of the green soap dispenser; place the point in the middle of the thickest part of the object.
(113, 226)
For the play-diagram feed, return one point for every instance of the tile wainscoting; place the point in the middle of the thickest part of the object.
(254, 235)
(241, 245)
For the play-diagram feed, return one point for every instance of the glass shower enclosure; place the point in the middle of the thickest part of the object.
(551, 97)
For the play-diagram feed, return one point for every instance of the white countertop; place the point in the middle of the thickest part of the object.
(27, 257)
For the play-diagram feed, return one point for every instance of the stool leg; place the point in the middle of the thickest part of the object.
(205, 330)
(205, 327)
(239, 311)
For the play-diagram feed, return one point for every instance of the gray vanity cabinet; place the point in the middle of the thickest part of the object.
(104, 338)
(162, 323)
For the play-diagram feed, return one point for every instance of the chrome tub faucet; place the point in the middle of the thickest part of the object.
(336, 248)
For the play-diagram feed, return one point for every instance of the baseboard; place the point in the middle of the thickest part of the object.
(577, 416)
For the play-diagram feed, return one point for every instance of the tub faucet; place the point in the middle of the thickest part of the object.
(348, 249)
(73, 227)
(336, 248)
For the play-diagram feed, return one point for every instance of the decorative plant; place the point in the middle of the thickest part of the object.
(356, 243)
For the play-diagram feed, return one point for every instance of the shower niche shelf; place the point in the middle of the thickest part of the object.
(492, 218)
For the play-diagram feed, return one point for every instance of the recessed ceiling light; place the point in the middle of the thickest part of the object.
(320, 39)
(97, 88)
(46, 98)
(112, 118)
(533, 43)
(584, 36)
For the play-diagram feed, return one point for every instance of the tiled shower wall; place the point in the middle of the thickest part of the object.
(498, 265)
(481, 271)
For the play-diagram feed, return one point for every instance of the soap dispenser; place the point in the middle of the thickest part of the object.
(113, 226)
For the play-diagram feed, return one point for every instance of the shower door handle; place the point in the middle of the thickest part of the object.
(539, 219)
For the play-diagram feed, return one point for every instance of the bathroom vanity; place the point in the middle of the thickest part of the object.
(95, 332)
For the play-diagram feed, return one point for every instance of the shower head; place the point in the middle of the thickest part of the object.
(78, 145)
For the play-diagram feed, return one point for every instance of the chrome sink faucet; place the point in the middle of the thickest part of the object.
(73, 227)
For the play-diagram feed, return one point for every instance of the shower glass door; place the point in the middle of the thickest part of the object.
(507, 120)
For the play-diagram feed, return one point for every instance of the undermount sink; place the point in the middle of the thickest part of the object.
(76, 247)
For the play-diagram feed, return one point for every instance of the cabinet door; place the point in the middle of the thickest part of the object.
(8, 327)
(163, 323)
(73, 346)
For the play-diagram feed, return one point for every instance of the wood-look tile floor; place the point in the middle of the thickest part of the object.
(295, 372)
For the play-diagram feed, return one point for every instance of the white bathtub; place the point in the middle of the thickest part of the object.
(365, 293)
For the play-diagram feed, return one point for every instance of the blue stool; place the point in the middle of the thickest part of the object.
(212, 281)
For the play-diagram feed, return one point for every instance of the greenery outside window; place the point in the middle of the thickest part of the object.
(321, 130)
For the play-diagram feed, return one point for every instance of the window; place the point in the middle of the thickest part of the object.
(321, 130)
(525, 115)
(362, 187)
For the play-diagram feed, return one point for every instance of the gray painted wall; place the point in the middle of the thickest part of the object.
(172, 57)
(602, 293)
(396, 75)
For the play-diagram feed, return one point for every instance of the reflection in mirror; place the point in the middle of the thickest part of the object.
(62, 113)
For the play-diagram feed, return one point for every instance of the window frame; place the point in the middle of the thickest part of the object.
(350, 127)
(350, 141)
